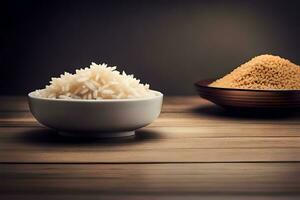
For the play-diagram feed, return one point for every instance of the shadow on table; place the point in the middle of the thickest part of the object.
(50, 137)
(216, 111)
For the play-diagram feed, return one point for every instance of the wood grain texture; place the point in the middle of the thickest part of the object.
(216, 117)
(187, 196)
(171, 179)
(188, 130)
(149, 145)
(194, 149)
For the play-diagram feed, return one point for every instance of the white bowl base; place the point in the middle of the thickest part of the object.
(97, 134)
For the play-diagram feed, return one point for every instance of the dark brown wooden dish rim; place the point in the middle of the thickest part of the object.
(204, 84)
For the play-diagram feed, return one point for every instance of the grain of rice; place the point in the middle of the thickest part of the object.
(95, 82)
(264, 72)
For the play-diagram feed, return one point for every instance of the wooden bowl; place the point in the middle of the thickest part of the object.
(249, 99)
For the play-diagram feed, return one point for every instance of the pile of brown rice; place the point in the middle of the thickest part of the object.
(95, 82)
(264, 72)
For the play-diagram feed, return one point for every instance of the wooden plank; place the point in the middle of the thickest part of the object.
(170, 119)
(142, 144)
(17, 119)
(149, 145)
(154, 132)
(207, 179)
(266, 130)
(116, 196)
(33, 138)
(153, 156)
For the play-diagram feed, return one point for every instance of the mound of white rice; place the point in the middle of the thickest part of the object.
(95, 82)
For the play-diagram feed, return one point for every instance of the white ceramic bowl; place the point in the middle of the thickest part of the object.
(101, 118)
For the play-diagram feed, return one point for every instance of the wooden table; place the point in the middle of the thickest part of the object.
(193, 150)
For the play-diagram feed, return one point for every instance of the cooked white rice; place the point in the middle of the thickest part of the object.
(95, 82)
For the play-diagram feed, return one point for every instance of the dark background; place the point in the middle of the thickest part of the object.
(169, 44)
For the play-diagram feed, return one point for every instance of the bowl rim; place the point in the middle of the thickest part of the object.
(204, 84)
(157, 95)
